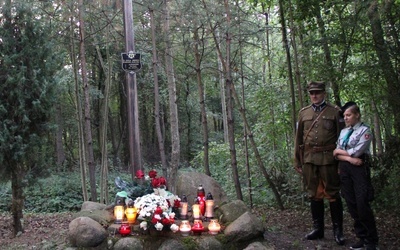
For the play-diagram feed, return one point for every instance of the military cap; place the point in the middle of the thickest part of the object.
(318, 86)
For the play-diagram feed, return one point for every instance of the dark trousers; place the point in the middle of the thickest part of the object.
(357, 191)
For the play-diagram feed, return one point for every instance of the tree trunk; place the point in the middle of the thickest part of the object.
(378, 145)
(17, 199)
(393, 85)
(200, 86)
(229, 105)
(297, 74)
(157, 117)
(104, 122)
(173, 106)
(59, 137)
(325, 46)
(289, 65)
(79, 115)
(86, 89)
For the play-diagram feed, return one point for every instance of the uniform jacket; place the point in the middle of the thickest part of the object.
(321, 140)
(359, 141)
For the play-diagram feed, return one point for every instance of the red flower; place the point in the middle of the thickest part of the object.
(155, 182)
(177, 203)
(163, 181)
(158, 210)
(152, 174)
(154, 220)
(139, 174)
(165, 221)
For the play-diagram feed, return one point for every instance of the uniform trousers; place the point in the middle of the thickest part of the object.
(321, 181)
(357, 191)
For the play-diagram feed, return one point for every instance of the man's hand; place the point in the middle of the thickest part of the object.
(298, 169)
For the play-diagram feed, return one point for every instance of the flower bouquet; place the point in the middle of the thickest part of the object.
(154, 210)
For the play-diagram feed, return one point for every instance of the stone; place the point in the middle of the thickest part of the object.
(128, 243)
(231, 211)
(90, 206)
(258, 246)
(103, 217)
(210, 243)
(171, 244)
(188, 182)
(246, 227)
(86, 232)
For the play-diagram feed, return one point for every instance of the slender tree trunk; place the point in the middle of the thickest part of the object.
(378, 145)
(79, 115)
(104, 122)
(17, 204)
(59, 137)
(297, 76)
(223, 96)
(173, 106)
(229, 105)
(86, 88)
(381, 49)
(243, 104)
(256, 152)
(157, 117)
(200, 86)
(289, 64)
(114, 146)
(325, 46)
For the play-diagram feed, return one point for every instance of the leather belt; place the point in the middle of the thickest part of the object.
(316, 149)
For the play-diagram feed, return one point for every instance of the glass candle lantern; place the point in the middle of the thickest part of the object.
(184, 208)
(131, 213)
(119, 213)
(209, 214)
(124, 229)
(185, 228)
(196, 211)
(214, 226)
(197, 227)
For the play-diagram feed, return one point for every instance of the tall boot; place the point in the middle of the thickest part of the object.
(337, 220)
(317, 213)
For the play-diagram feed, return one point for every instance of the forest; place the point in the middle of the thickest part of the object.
(217, 90)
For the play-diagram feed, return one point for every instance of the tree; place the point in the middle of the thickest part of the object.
(26, 95)
(173, 106)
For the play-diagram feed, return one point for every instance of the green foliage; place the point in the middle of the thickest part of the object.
(385, 177)
(26, 88)
(56, 193)
(59, 192)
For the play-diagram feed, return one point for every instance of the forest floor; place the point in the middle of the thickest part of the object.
(284, 230)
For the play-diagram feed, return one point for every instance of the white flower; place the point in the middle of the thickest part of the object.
(157, 217)
(172, 215)
(174, 228)
(143, 225)
(159, 226)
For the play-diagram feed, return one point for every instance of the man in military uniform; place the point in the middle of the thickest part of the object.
(318, 129)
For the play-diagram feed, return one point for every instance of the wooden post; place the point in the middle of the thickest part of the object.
(132, 100)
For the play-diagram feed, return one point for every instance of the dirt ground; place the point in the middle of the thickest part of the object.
(284, 230)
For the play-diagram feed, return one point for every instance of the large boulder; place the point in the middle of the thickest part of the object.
(103, 217)
(86, 232)
(229, 212)
(210, 243)
(128, 243)
(258, 246)
(171, 244)
(246, 227)
(91, 205)
(188, 182)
